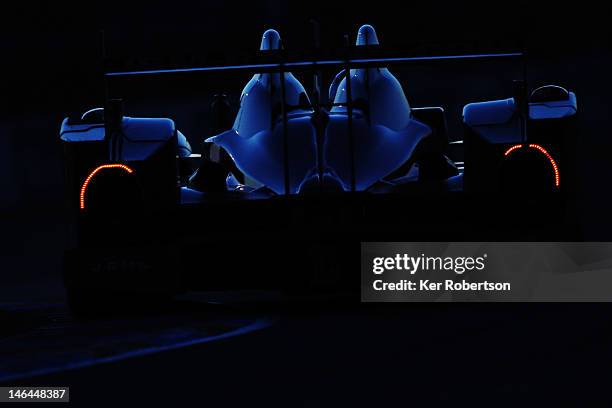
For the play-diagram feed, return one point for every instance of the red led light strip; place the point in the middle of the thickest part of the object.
(96, 171)
(545, 153)
(513, 148)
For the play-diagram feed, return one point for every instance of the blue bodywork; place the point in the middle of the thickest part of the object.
(367, 139)
(497, 121)
(142, 137)
(385, 134)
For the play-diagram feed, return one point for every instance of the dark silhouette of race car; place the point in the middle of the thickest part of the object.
(280, 197)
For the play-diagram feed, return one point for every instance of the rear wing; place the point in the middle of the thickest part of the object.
(281, 61)
(310, 65)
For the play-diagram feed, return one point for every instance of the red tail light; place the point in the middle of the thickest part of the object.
(96, 171)
(545, 153)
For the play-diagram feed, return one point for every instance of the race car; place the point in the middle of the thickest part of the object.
(280, 197)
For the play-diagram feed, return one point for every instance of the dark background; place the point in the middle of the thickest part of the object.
(51, 54)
